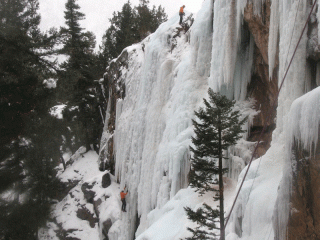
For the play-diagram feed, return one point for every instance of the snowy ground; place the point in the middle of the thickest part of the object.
(166, 79)
(167, 222)
(65, 213)
(170, 221)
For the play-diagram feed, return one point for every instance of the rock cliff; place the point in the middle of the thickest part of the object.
(150, 91)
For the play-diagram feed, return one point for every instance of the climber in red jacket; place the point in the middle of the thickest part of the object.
(123, 199)
(181, 13)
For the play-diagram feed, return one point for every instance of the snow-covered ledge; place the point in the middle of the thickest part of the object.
(298, 196)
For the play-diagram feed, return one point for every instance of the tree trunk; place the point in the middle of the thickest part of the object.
(222, 234)
(88, 147)
(63, 162)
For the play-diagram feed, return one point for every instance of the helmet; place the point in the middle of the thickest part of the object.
(183, 6)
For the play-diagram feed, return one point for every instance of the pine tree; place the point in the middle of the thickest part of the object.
(78, 45)
(21, 64)
(22, 71)
(149, 20)
(217, 127)
(76, 81)
(127, 32)
(129, 26)
(158, 16)
(121, 33)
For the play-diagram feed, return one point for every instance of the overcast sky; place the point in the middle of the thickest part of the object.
(98, 12)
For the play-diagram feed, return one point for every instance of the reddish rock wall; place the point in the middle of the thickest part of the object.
(262, 88)
(304, 219)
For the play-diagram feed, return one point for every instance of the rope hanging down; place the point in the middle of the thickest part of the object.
(269, 115)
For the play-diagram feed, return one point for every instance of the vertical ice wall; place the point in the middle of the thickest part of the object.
(165, 82)
(293, 15)
(252, 216)
(273, 36)
(232, 49)
(303, 125)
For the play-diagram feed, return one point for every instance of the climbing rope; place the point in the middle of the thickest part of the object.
(269, 115)
(255, 176)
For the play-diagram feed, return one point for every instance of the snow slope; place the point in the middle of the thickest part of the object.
(166, 79)
(75, 217)
(165, 86)
(167, 76)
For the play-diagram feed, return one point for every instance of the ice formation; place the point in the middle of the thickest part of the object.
(165, 81)
(260, 199)
(153, 126)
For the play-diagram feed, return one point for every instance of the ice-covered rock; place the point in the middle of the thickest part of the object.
(240, 49)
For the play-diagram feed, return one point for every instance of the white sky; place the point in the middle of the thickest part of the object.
(98, 12)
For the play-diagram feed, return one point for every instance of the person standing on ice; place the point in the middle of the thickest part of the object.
(123, 199)
(181, 13)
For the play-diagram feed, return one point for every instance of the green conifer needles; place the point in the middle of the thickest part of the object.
(217, 127)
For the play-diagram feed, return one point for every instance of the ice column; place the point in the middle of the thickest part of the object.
(164, 85)
(293, 15)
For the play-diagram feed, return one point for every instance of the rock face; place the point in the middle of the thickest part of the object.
(106, 180)
(304, 220)
(263, 89)
(86, 188)
(106, 226)
(84, 214)
(113, 88)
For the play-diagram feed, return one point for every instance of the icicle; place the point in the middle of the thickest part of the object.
(303, 120)
(318, 17)
(273, 36)
(290, 32)
(231, 46)
(257, 6)
(201, 39)
(231, 62)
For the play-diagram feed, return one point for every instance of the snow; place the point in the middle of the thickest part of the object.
(164, 86)
(303, 126)
(166, 79)
(262, 210)
(303, 120)
(162, 161)
(252, 215)
(56, 111)
(290, 32)
(84, 168)
(230, 64)
(165, 83)
(66, 215)
(50, 83)
(170, 221)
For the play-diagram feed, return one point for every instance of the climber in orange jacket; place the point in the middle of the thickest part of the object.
(181, 13)
(123, 199)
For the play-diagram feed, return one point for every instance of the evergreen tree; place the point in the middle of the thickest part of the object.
(127, 32)
(158, 16)
(148, 20)
(78, 46)
(76, 81)
(121, 33)
(217, 127)
(144, 19)
(22, 99)
(21, 64)
(130, 26)
(38, 154)
(22, 70)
